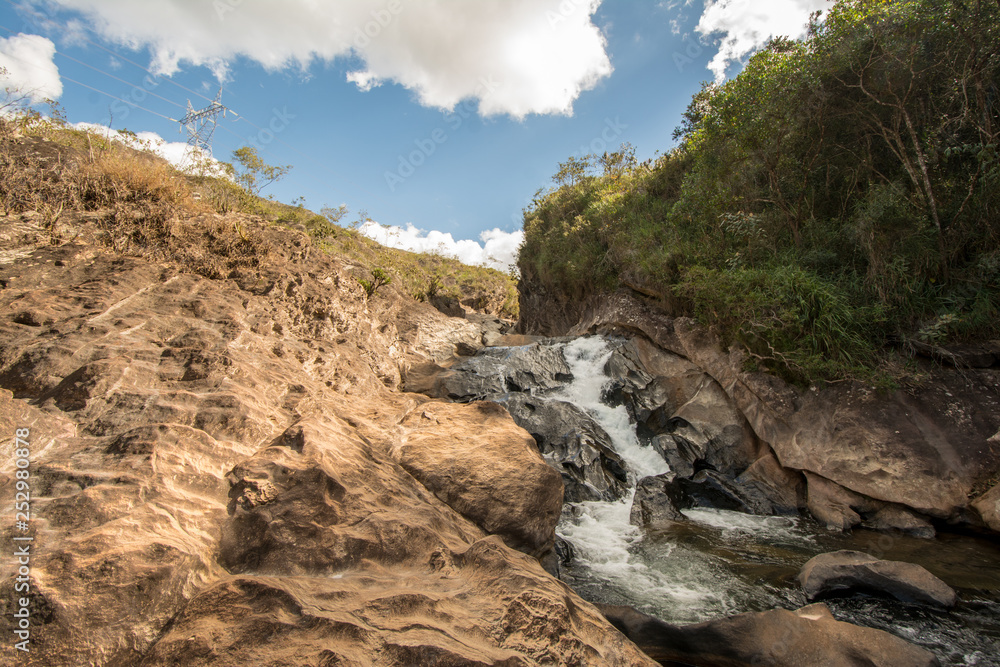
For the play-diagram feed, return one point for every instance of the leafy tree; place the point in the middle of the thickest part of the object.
(618, 162)
(855, 172)
(252, 173)
(334, 215)
(573, 170)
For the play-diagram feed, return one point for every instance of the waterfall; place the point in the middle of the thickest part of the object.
(586, 358)
(616, 561)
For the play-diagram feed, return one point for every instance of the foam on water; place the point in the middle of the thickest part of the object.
(770, 528)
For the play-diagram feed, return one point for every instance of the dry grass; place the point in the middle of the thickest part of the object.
(145, 206)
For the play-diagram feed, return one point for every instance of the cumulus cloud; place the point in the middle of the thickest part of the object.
(743, 26)
(30, 68)
(515, 57)
(498, 249)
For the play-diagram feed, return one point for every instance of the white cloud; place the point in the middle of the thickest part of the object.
(542, 53)
(30, 68)
(747, 25)
(498, 249)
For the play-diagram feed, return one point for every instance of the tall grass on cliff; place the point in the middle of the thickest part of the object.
(838, 198)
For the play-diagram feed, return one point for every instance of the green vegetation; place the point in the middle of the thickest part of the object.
(379, 278)
(837, 199)
(252, 173)
(423, 276)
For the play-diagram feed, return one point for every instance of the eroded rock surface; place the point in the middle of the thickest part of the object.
(657, 503)
(573, 443)
(224, 471)
(481, 464)
(671, 399)
(498, 370)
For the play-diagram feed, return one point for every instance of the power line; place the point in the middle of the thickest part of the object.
(315, 161)
(114, 97)
(131, 62)
(108, 74)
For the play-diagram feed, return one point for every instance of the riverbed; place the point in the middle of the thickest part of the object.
(721, 563)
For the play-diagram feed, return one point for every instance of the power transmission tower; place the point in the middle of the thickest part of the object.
(201, 124)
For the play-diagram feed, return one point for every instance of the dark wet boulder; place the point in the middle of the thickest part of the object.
(667, 395)
(778, 638)
(497, 370)
(784, 488)
(560, 556)
(650, 380)
(841, 572)
(709, 488)
(629, 377)
(572, 443)
(680, 454)
(656, 503)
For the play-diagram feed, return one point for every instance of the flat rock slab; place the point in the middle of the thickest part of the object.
(778, 638)
(857, 571)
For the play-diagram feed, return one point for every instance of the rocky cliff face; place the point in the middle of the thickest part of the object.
(224, 471)
(901, 460)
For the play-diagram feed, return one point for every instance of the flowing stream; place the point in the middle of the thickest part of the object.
(722, 563)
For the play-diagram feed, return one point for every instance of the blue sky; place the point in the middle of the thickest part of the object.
(441, 116)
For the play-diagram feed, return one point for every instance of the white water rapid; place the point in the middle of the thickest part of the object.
(677, 581)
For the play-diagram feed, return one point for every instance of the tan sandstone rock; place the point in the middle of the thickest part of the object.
(480, 463)
(778, 638)
(988, 506)
(213, 480)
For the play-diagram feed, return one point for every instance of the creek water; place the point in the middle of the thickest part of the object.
(721, 563)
